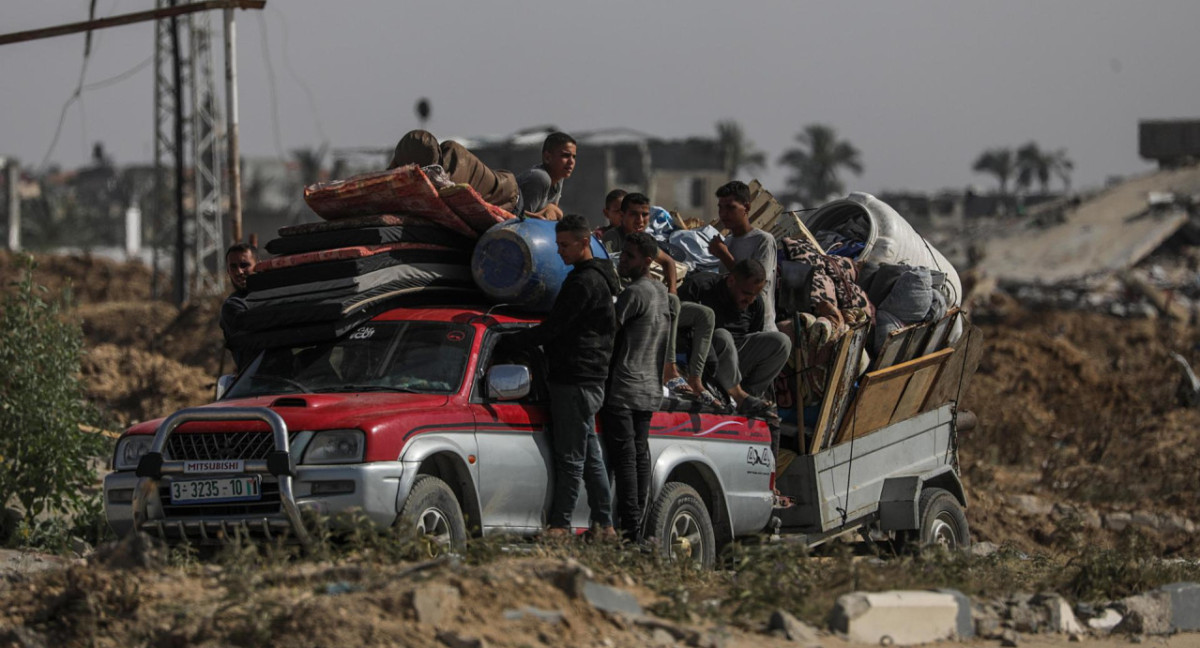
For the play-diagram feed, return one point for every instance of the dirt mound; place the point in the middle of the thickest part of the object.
(92, 279)
(135, 385)
(1081, 410)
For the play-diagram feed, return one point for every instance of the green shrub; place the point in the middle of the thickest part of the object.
(43, 452)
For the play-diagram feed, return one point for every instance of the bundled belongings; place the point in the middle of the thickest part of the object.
(405, 190)
(884, 235)
(386, 234)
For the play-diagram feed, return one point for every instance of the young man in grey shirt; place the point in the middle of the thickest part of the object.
(541, 186)
(634, 385)
(744, 242)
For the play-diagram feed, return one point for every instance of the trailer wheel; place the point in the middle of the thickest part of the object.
(943, 522)
(432, 513)
(681, 527)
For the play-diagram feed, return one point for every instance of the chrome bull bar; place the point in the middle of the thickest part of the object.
(278, 463)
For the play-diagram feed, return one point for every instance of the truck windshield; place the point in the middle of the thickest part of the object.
(416, 357)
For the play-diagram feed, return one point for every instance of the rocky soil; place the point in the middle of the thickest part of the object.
(1082, 437)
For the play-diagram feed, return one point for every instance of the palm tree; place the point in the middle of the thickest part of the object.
(998, 162)
(1032, 163)
(737, 152)
(1061, 166)
(816, 164)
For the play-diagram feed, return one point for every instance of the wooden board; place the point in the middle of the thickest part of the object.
(789, 225)
(764, 209)
(835, 376)
(967, 352)
(893, 346)
(838, 391)
(918, 389)
(882, 392)
(915, 342)
(937, 337)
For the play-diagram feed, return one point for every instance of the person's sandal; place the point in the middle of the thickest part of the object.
(679, 386)
(755, 407)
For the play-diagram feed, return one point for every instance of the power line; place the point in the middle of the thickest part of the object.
(115, 79)
(266, 54)
(308, 94)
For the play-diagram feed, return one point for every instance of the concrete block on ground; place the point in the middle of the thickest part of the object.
(903, 617)
(964, 628)
(435, 603)
(1061, 618)
(1148, 613)
(1105, 621)
(1185, 606)
(611, 600)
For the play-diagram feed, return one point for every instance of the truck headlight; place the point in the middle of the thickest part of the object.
(335, 447)
(130, 451)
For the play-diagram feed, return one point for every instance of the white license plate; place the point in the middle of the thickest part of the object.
(216, 489)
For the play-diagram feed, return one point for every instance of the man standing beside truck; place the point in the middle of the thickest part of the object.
(577, 337)
(633, 393)
(239, 265)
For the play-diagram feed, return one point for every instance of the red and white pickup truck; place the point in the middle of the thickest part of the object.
(418, 417)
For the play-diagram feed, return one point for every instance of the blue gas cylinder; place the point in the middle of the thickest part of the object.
(516, 262)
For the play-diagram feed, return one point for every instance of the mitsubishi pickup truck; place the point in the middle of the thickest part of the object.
(423, 417)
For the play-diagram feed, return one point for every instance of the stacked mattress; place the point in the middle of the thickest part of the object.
(385, 234)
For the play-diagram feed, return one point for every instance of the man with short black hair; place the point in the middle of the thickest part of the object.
(635, 216)
(577, 336)
(541, 186)
(747, 358)
(634, 388)
(745, 242)
(240, 260)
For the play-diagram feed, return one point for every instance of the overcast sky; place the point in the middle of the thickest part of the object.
(919, 87)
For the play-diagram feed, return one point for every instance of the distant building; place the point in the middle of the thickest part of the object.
(1170, 142)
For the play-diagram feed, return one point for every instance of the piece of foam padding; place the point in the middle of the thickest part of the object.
(339, 269)
(472, 208)
(403, 190)
(419, 233)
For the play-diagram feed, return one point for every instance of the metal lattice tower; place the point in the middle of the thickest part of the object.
(208, 151)
(203, 151)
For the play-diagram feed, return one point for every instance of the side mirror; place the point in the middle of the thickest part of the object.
(508, 382)
(223, 384)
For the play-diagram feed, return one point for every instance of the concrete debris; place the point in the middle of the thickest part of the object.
(1148, 613)
(660, 637)
(568, 575)
(1031, 505)
(457, 640)
(1062, 618)
(983, 549)
(553, 617)
(793, 629)
(1185, 606)
(435, 603)
(1009, 639)
(611, 600)
(902, 617)
(1105, 621)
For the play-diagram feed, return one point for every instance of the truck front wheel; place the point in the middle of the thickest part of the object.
(433, 514)
(680, 524)
(943, 522)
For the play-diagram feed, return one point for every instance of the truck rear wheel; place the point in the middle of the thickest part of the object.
(680, 523)
(432, 513)
(943, 522)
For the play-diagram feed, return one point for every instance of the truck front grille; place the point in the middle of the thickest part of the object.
(208, 446)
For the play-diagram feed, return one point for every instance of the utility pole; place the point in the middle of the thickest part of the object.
(203, 223)
(231, 108)
(12, 170)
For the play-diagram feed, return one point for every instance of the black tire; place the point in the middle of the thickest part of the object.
(943, 522)
(433, 514)
(680, 527)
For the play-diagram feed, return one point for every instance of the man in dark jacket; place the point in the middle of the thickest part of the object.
(577, 337)
(239, 264)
